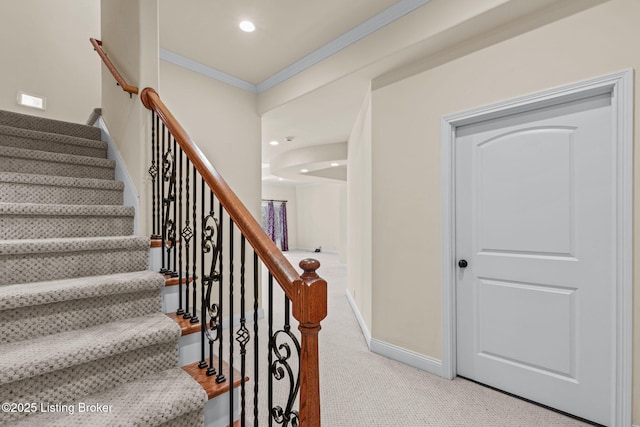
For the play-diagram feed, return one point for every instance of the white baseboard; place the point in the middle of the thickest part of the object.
(363, 325)
(131, 197)
(407, 357)
(393, 352)
(333, 252)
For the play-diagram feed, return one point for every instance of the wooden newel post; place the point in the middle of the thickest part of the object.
(309, 309)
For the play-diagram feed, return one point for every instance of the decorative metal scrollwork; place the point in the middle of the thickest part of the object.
(211, 243)
(214, 329)
(281, 369)
(187, 233)
(242, 336)
(169, 175)
(168, 162)
(153, 170)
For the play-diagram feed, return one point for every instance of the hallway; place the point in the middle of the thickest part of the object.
(362, 389)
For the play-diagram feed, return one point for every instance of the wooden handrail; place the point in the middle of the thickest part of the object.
(307, 292)
(97, 45)
(280, 267)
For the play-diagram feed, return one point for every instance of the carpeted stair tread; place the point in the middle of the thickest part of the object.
(170, 397)
(44, 221)
(26, 359)
(10, 118)
(35, 260)
(61, 181)
(46, 141)
(80, 314)
(43, 189)
(80, 244)
(37, 209)
(22, 160)
(54, 291)
(26, 323)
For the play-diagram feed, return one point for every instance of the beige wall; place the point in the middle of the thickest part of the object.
(319, 216)
(46, 51)
(406, 156)
(130, 39)
(359, 212)
(288, 193)
(223, 122)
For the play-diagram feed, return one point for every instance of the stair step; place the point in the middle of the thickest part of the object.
(169, 398)
(91, 360)
(186, 326)
(27, 359)
(208, 383)
(24, 308)
(27, 188)
(22, 160)
(39, 221)
(51, 142)
(9, 118)
(32, 260)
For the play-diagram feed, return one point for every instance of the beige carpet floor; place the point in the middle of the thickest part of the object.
(362, 389)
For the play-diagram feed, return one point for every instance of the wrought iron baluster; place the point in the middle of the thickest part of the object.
(256, 365)
(194, 288)
(187, 233)
(169, 232)
(220, 378)
(180, 309)
(210, 245)
(205, 300)
(153, 172)
(242, 336)
(211, 242)
(281, 369)
(175, 210)
(270, 354)
(158, 184)
(163, 269)
(231, 340)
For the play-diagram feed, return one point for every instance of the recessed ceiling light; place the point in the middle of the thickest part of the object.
(280, 179)
(274, 142)
(334, 164)
(304, 170)
(247, 26)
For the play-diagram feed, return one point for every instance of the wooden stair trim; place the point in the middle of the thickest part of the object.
(157, 243)
(186, 326)
(174, 281)
(208, 383)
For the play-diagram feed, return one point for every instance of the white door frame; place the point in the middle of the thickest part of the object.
(620, 85)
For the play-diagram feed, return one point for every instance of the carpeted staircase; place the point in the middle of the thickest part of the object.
(83, 341)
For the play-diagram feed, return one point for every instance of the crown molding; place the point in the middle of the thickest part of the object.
(370, 26)
(197, 67)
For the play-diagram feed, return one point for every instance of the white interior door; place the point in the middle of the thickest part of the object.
(535, 222)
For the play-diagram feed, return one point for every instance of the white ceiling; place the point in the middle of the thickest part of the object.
(348, 43)
(286, 31)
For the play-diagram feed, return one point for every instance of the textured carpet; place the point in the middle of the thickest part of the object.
(83, 340)
(362, 389)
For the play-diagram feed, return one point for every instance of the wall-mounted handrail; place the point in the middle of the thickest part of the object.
(97, 45)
